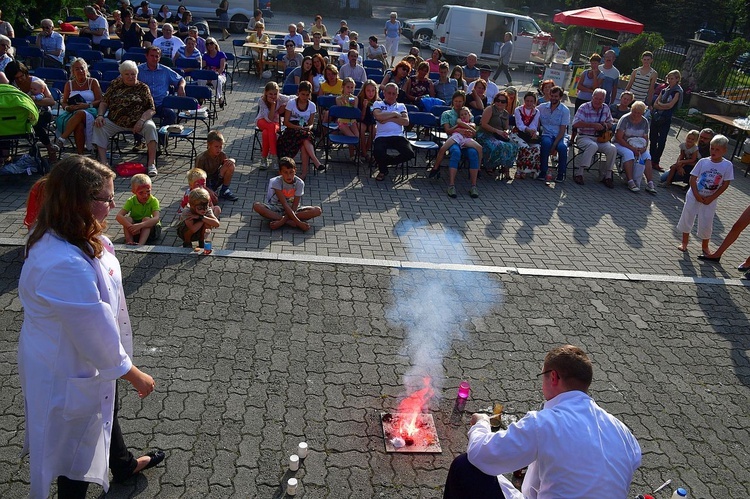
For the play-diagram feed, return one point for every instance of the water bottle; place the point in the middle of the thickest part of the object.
(679, 494)
(207, 242)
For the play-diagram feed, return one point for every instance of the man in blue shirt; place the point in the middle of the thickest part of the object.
(294, 36)
(471, 71)
(159, 78)
(554, 118)
(52, 45)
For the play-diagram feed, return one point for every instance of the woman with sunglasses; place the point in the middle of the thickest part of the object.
(291, 58)
(494, 135)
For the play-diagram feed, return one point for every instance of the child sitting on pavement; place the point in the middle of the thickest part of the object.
(217, 165)
(466, 121)
(708, 180)
(139, 216)
(283, 197)
(197, 178)
(687, 159)
(196, 218)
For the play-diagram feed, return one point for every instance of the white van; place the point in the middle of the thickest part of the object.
(240, 11)
(461, 30)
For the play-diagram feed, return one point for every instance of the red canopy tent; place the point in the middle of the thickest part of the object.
(599, 18)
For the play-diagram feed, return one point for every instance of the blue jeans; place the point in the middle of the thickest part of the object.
(562, 155)
(471, 155)
(659, 133)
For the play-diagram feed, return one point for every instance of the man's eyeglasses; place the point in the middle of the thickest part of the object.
(108, 200)
(544, 372)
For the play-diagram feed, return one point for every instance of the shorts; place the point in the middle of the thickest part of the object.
(276, 208)
(182, 228)
(154, 234)
(214, 181)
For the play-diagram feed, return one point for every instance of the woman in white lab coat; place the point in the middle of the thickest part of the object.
(76, 339)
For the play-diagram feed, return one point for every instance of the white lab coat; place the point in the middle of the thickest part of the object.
(75, 342)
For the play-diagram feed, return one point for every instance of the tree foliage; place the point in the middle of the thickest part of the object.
(718, 61)
(630, 53)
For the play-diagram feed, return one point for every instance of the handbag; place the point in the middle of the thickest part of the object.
(604, 135)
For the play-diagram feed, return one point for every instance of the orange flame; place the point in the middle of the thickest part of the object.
(412, 405)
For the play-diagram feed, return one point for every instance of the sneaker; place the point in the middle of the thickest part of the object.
(663, 184)
(474, 192)
(650, 188)
(560, 179)
(541, 178)
(264, 163)
(60, 142)
(633, 187)
(452, 191)
(152, 171)
(226, 193)
(273, 161)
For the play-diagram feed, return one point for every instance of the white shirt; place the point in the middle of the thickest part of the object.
(296, 115)
(492, 90)
(534, 124)
(573, 448)
(169, 47)
(99, 23)
(357, 73)
(76, 340)
(388, 129)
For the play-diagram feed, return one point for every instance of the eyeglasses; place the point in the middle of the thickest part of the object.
(544, 372)
(501, 101)
(290, 46)
(210, 43)
(108, 200)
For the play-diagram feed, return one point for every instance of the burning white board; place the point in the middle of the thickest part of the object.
(408, 433)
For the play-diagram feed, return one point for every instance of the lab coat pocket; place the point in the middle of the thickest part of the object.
(82, 398)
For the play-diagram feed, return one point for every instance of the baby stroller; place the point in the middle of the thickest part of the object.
(18, 114)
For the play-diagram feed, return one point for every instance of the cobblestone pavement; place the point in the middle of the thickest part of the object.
(269, 353)
(519, 224)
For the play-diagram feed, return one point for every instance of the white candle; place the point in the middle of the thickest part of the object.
(291, 486)
(293, 462)
(302, 450)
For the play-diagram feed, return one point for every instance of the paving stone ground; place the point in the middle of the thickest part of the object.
(253, 355)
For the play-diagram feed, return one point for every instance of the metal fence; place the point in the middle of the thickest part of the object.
(735, 86)
(668, 58)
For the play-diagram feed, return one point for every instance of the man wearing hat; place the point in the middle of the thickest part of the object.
(484, 74)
